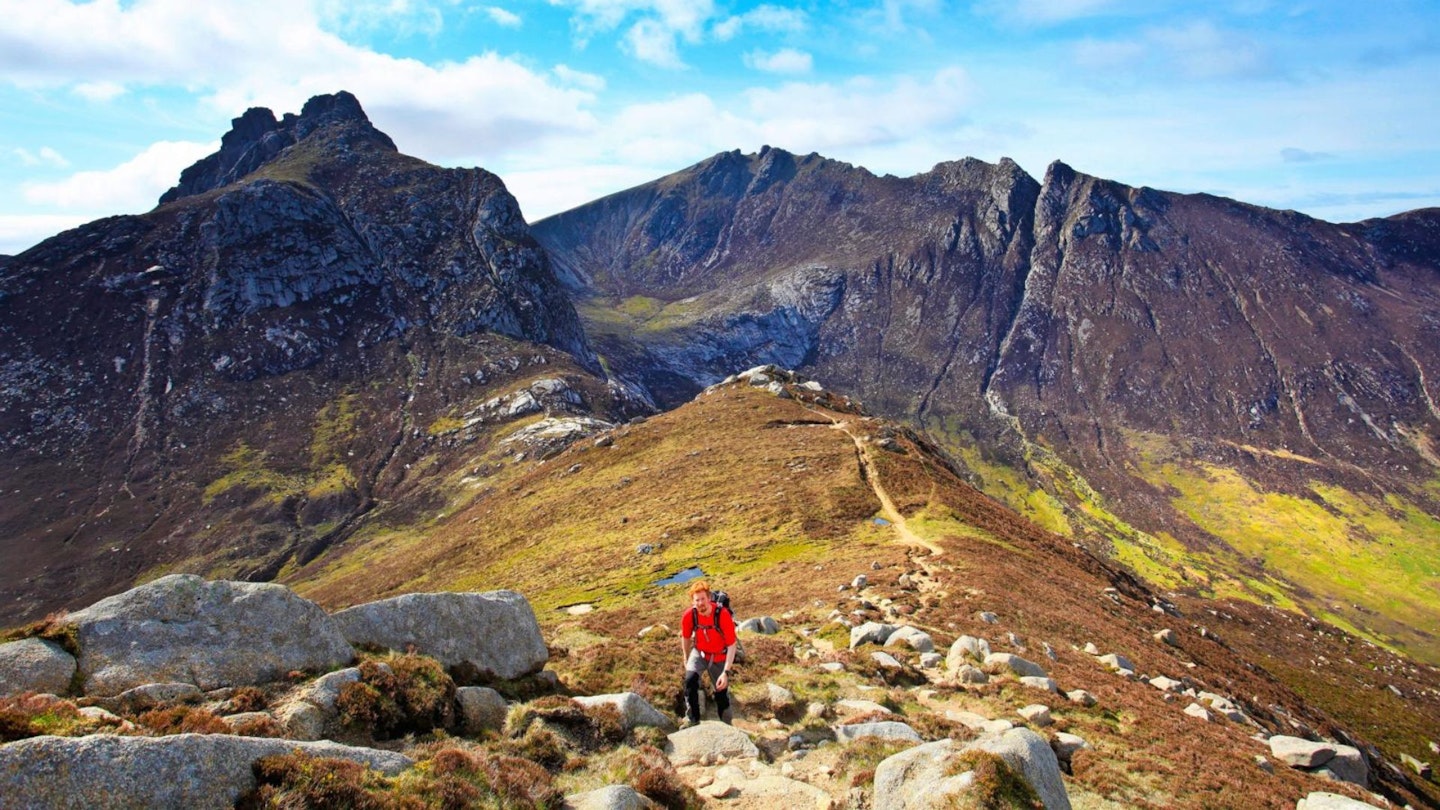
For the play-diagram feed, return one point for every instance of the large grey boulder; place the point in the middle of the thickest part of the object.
(709, 742)
(194, 771)
(913, 637)
(964, 650)
(182, 628)
(1029, 755)
(870, 633)
(495, 632)
(1298, 752)
(925, 777)
(35, 665)
(918, 778)
(634, 710)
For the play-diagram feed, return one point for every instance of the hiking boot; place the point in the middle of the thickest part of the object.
(687, 723)
(726, 716)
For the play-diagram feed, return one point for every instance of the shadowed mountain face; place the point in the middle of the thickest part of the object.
(1216, 391)
(233, 379)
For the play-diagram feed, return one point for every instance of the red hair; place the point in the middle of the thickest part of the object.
(698, 586)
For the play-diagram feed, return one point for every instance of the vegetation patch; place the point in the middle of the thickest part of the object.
(995, 785)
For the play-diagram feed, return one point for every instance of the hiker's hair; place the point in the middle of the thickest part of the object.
(698, 586)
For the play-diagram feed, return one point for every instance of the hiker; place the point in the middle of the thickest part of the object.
(712, 650)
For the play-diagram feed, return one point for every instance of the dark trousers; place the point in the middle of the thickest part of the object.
(697, 664)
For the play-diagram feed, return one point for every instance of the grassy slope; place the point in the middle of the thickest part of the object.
(770, 500)
(1366, 564)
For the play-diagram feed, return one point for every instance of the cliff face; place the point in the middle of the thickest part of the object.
(1159, 364)
(271, 342)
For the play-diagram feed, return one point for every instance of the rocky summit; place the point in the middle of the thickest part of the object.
(234, 379)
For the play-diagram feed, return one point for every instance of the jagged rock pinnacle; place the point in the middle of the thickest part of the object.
(255, 138)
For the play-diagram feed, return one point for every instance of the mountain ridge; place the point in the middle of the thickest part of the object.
(1083, 331)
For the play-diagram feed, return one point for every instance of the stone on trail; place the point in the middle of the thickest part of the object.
(182, 628)
(610, 797)
(709, 741)
(193, 771)
(1165, 684)
(1034, 682)
(969, 674)
(857, 706)
(35, 665)
(496, 632)
(1198, 712)
(1082, 697)
(884, 729)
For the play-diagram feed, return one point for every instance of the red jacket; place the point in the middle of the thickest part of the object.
(710, 639)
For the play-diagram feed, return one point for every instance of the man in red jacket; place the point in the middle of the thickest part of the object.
(707, 638)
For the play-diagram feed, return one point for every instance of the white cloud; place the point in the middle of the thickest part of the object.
(44, 157)
(1199, 51)
(274, 53)
(99, 91)
(658, 28)
(502, 17)
(650, 40)
(785, 60)
(133, 186)
(20, 232)
(762, 18)
(860, 111)
(578, 78)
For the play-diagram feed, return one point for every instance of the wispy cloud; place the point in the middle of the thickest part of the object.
(654, 26)
(44, 156)
(785, 60)
(761, 18)
(1197, 51)
(503, 17)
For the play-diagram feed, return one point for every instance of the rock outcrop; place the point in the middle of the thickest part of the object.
(182, 628)
(926, 777)
(194, 771)
(494, 632)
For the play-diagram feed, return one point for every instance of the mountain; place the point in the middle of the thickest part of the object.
(323, 363)
(1230, 399)
(300, 333)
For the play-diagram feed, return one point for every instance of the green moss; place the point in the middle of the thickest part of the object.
(445, 424)
(247, 469)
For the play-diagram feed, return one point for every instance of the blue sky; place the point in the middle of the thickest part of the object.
(1330, 107)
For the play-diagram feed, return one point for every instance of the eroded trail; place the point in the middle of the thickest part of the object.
(887, 506)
